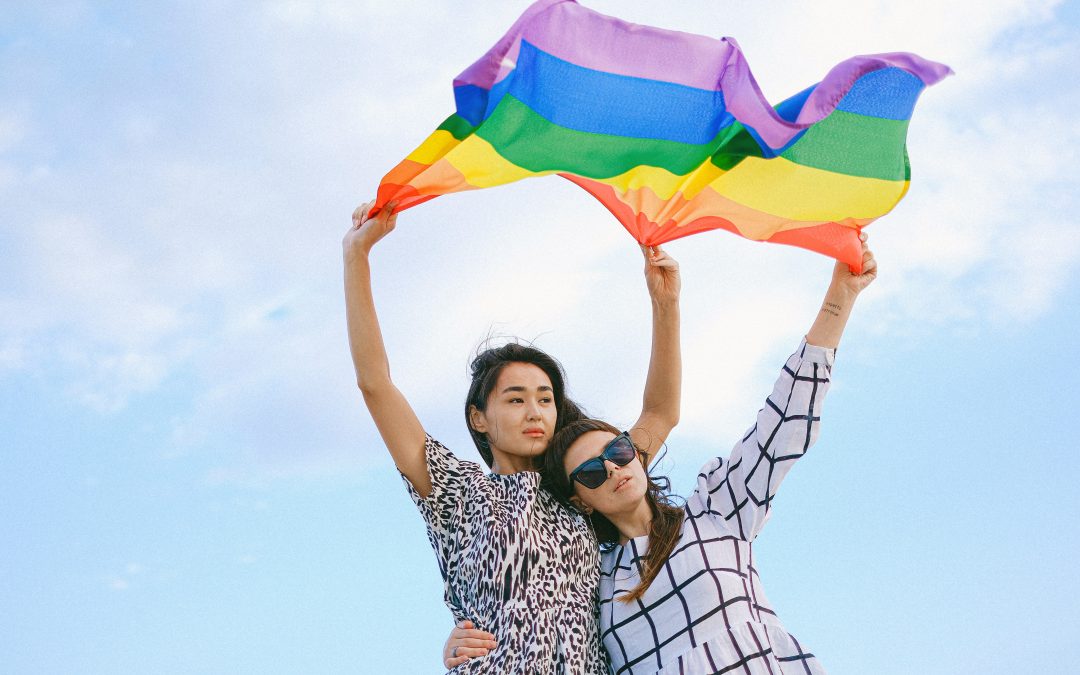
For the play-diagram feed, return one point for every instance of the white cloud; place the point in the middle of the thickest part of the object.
(140, 128)
(13, 128)
(9, 176)
(125, 579)
(108, 380)
(981, 227)
(349, 17)
(90, 310)
(1040, 263)
(92, 280)
(12, 355)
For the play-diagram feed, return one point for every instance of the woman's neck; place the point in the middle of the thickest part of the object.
(633, 523)
(505, 464)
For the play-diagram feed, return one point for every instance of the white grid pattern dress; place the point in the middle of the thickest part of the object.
(705, 612)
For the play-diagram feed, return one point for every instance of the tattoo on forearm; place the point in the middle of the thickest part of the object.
(831, 308)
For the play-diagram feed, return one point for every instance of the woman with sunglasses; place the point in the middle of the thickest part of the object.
(515, 561)
(679, 592)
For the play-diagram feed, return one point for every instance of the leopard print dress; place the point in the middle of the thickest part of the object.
(516, 563)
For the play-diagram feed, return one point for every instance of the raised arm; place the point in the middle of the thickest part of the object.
(739, 491)
(394, 417)
(840, 298)
(661, 403)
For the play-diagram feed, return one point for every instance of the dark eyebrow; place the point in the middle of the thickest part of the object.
(543, 387)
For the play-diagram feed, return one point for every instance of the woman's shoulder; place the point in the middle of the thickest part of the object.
(450, 476)
(440, 457)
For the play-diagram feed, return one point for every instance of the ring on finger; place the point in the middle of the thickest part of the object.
(453, 653)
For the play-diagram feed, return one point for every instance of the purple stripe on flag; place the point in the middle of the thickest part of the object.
(589, 39)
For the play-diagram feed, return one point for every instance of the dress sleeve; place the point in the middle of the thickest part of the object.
(738, 492)
(443, 508)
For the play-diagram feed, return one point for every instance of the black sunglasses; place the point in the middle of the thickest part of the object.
(592, 473)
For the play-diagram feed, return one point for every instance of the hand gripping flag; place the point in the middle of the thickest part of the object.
(671, 132)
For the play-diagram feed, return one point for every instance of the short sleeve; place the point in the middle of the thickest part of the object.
(451, 481)
(737, 492)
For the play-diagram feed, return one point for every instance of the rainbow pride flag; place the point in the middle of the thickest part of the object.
(671, 132)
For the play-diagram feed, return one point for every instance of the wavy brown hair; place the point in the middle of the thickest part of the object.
(667, 516)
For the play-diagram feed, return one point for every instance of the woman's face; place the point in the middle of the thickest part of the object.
(520, 416)
(625, 486)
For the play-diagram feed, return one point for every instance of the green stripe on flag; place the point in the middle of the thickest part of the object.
(856, 145)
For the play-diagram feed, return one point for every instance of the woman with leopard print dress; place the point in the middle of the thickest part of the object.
(515, 562)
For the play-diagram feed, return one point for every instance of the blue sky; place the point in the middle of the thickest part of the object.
(190, 482)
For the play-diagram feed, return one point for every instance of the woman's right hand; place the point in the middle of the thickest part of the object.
(466, 642)
(661, 275)
(846, 280)
(365, 231)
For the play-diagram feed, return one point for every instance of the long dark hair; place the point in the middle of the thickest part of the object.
(485, 369)
(667, 516)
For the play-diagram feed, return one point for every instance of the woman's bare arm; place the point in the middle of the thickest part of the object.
(397, 423)
(844, 288)
(661, 403)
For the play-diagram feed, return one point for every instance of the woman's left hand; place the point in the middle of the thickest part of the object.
(466, 642)
(844, 279)
(661, 275)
